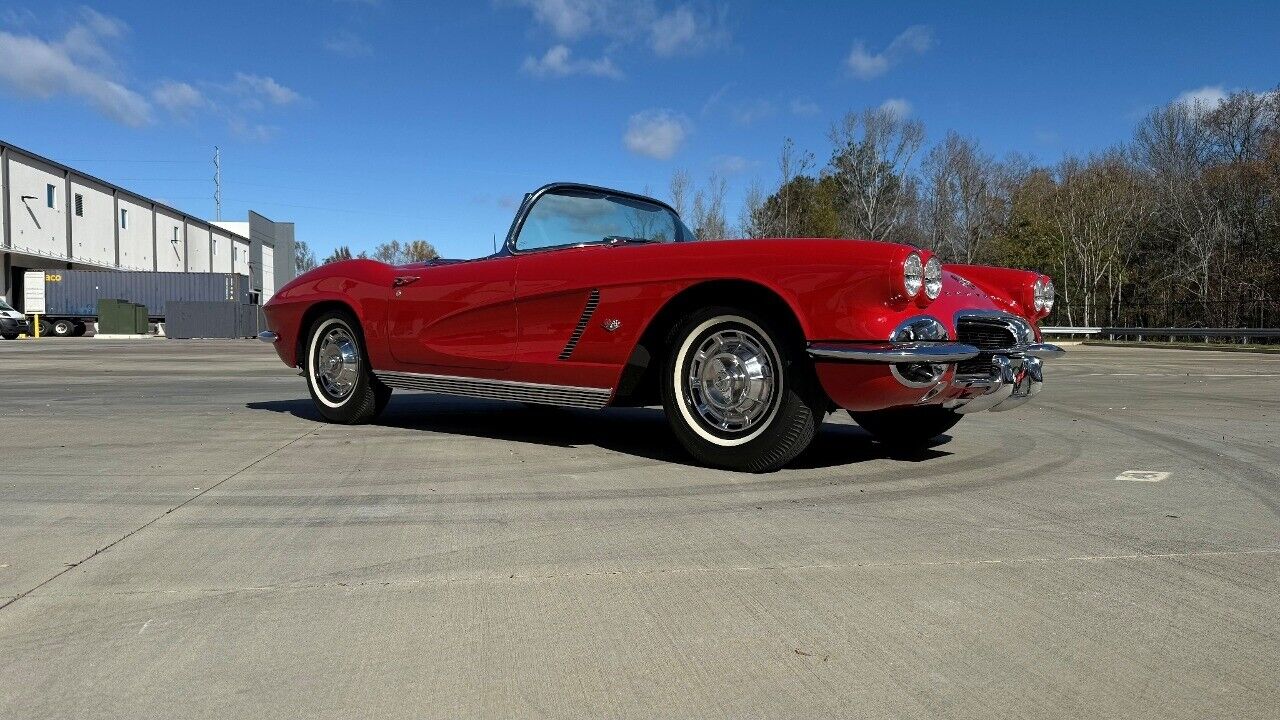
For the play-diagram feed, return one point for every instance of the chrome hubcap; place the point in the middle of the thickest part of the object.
(337, 363)
(731, 380)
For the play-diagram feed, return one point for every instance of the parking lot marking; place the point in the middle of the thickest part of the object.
(1142, 476)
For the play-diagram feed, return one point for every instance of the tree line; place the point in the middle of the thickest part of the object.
(1177, 226)
(393, 252)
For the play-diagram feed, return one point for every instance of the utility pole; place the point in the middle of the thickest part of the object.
(217, 183)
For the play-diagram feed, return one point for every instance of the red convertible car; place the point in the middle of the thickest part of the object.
(600, 298)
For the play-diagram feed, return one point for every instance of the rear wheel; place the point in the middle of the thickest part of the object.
(62, 328)
(911, 428)
(339, 376)
(79, 330)
(737, 393)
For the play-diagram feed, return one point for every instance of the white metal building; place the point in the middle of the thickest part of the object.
(56, 217)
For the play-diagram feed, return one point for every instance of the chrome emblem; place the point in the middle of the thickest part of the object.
(612, 324)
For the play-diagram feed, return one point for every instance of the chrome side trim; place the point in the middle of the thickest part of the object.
(890, 352)
(537, 393)
(267, 336)
(593, 301)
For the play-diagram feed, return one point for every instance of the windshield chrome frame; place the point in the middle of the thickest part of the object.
(517, 224)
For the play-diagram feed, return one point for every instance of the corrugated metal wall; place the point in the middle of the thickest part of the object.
(199, 319)
(77, 292)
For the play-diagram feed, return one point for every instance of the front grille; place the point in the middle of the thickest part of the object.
(986, 336)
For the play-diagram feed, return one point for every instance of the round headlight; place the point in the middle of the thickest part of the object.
(912, 275)
(933, 278)
(1044, 295)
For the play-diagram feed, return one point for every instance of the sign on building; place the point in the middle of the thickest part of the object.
(33, 292)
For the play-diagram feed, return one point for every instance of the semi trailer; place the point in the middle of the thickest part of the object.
(65, 301)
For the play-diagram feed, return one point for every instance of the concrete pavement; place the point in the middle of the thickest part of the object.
(180, 538)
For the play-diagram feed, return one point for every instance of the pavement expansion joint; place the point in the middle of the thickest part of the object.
(71, 566)
(420, 582)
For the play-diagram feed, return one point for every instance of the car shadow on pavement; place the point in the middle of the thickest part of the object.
(640, 432)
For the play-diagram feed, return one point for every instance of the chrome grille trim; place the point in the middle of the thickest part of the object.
(593, 301)
(537, 393)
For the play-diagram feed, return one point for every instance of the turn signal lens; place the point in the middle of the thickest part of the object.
(933, 278)
(912, 275)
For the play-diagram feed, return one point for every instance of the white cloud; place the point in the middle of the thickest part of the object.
(679, 31)
(254, 132)
(571, 19)
(750, 111)
(558, 62)
(656, 133)
(178, 98)
(348, 44)
(674, 32)
(78, 65)
(683, 32)
(1205, 98)
(915, 40)
(804, 107)
(731, 164)
(899, 107)
(257, 89)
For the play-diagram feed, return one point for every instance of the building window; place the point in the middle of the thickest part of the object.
(79, 205)
(175, 235)
(51, 196)
(124, 219)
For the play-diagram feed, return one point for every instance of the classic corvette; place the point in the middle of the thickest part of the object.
(600, 297)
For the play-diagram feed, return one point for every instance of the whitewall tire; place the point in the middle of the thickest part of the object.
(338, 373)
(738, 392)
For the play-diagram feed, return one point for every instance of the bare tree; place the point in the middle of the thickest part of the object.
(397, 253)
(679, 190)
(708, 209)
(872, 156)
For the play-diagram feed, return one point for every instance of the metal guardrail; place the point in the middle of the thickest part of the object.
(1242, 334)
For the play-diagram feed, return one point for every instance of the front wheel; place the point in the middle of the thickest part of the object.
(911, 428)
(738, 393)
(339, 376)
(10, 336)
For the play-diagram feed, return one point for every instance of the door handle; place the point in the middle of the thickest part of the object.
(403, 280)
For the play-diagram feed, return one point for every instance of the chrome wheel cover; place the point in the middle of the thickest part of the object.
(337, 363)
(731, 381)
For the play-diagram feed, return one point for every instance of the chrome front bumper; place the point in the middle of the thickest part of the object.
(921, 355)
(1012, 382)
(925, 352)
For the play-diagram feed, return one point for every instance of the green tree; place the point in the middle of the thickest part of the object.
(304, 258)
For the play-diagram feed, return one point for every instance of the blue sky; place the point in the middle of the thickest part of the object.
(370, 120)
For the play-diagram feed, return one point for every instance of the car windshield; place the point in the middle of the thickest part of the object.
(575, 217)
(4, 306)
